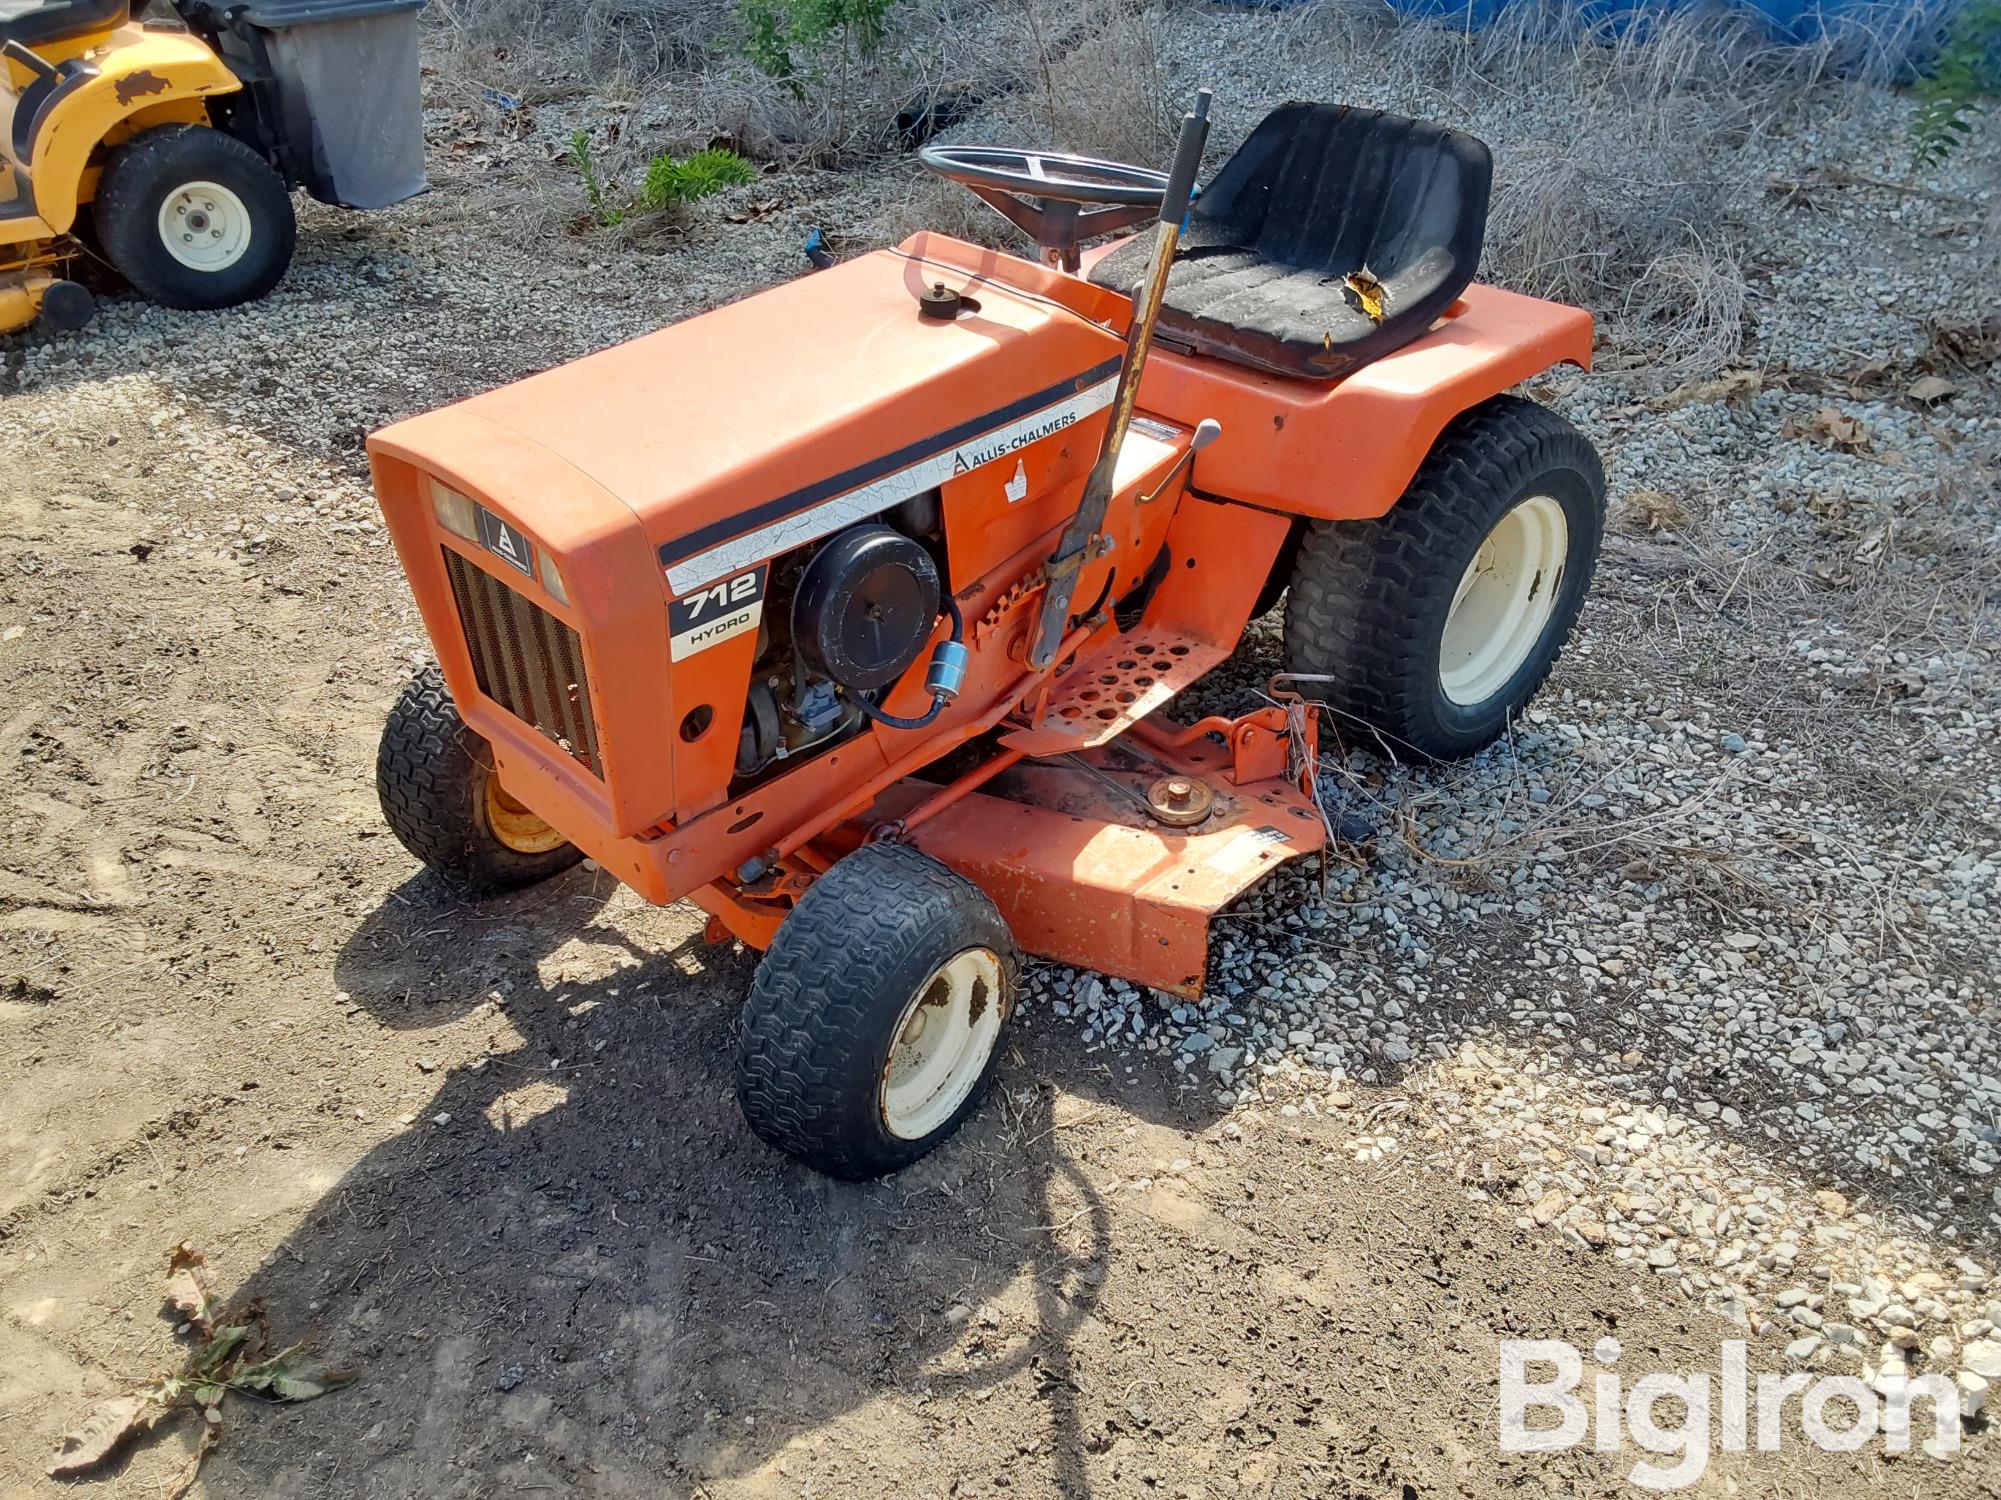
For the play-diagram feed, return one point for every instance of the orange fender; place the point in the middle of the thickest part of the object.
(1348, 449)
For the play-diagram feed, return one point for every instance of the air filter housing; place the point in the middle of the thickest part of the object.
(866, 604)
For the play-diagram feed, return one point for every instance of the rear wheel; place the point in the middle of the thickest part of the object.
(873, 1026)
(1440, 620)
(444, 803)
(194, 218)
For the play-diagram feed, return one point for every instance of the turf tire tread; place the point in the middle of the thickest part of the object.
(1350, 611)
(835, 980)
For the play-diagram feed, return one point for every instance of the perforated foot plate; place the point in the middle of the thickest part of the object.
(1101, 697)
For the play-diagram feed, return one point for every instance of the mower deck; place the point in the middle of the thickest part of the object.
(1084, 874)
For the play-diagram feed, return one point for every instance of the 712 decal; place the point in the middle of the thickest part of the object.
(710, 616)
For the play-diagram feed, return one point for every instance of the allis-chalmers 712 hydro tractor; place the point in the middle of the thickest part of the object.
(848, 611)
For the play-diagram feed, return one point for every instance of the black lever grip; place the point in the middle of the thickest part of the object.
(1187, 161)
(33, 62)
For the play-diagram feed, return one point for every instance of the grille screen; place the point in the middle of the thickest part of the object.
(527, 660)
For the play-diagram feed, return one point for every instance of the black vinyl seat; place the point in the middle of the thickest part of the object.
(34, 23)
(1320, 194)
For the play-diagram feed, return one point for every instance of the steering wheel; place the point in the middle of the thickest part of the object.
(1046, 194)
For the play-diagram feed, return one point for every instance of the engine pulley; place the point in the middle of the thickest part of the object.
(866, 604)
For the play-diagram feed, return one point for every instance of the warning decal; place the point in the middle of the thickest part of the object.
(1245, 847)
(715, 614)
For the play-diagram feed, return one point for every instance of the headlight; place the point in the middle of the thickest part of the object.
(551, 579)
(454, 511)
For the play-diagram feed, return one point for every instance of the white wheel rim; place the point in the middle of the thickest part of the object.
(942, 1042)
(205, 226)
(1504, 601)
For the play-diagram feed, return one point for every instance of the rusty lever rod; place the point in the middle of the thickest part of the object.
(1074, 549)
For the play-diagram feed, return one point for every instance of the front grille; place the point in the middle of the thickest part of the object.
(527, 660)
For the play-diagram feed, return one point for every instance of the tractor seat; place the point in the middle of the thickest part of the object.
(35, 23)
(1325, 216)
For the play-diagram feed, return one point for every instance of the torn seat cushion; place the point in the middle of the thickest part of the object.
(1318, 194)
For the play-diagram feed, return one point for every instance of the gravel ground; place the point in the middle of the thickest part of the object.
(1697, 967)
(1693, 976)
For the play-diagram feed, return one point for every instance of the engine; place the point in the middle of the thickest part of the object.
(843, 621)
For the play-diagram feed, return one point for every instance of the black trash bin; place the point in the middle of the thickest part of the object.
(338, 85)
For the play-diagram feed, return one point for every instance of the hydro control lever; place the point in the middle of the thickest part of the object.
(1078, 537)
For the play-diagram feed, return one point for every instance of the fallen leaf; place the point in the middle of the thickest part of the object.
(103, 1429)
(1837, 430)
(1737, 385)
(1865, 376)
(1366, 294)
(1971, 345)
(211, 1435)
(291, 1376)
(187, 1285)
(1931, 388)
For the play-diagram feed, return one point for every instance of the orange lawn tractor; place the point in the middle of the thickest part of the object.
(850, 611)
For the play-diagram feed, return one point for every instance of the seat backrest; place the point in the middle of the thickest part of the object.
(34, 24)
(1333, 188)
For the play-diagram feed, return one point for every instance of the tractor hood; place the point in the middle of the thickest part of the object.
(775, 420)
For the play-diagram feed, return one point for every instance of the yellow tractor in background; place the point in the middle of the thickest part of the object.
(184, 141)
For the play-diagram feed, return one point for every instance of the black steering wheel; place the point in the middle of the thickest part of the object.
(1045, 193)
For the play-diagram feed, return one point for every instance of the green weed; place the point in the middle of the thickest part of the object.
(797, 42)
(670, 181)
(1960, 83)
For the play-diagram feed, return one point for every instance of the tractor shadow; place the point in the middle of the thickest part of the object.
(592, 1274)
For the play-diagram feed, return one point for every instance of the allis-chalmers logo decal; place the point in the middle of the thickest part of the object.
(974, 455)
(503, 541)
(804, 517)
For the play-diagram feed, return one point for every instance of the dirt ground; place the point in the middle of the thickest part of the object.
(487, 1154)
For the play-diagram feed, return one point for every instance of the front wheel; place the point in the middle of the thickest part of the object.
(194, 218)
(1439, 620)
(440, 797)
(873, 1025)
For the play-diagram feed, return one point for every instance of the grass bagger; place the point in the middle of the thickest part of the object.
(849, 611)
(185, 144)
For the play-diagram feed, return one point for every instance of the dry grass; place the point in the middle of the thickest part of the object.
(1622, 182)
(681, 63)
(1626, 180)
(598, 40)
